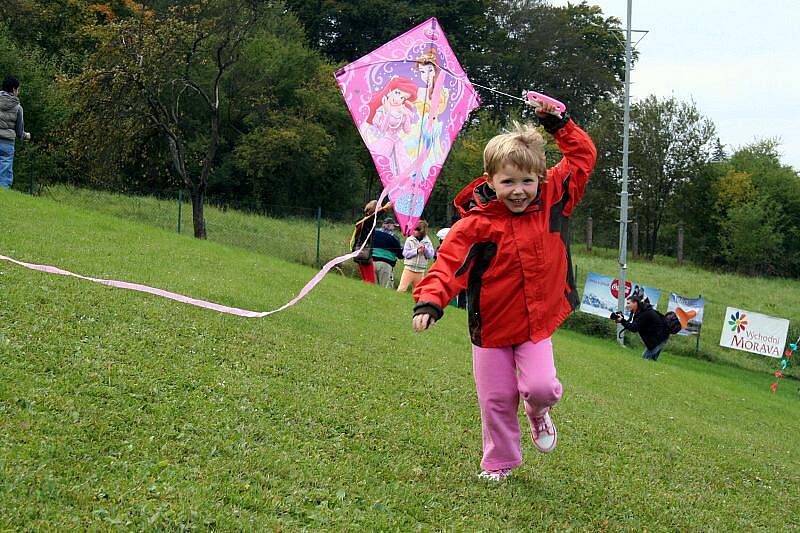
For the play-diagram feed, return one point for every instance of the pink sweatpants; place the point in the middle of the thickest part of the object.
(502, 375)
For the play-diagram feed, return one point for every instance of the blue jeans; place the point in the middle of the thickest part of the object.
(654, 353)
(6, 164)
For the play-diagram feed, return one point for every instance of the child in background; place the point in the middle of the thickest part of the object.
(510, 251)
(417, 250)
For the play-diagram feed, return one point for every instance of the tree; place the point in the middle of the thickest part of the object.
(573, 53)
(601, 199)
(670, 144)
(169, 69)
(750, 238)
(777, 190)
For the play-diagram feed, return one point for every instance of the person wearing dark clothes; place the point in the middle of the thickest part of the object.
(386, 250)
(363, 235)
(647, 322)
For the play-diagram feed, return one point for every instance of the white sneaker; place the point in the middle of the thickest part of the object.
(495, 475)
(543, 433)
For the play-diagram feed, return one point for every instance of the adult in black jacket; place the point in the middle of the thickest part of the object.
(386, 250)
(647, 322)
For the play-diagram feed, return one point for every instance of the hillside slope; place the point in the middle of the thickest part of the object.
(123, 409)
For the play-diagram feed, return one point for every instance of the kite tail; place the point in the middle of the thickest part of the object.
(210, 305)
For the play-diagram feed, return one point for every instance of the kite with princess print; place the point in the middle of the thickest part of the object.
(409, 99)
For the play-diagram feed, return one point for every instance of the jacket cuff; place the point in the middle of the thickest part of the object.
(552, 123)
(428, 308)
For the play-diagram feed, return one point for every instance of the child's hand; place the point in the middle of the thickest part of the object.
(422, 322)
(543, 109)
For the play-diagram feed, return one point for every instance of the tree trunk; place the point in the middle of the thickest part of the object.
(198, 198)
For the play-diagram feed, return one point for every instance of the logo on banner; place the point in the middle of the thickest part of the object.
(738, 323)
(615, 288)
(601, 294)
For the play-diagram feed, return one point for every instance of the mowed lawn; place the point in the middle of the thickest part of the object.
(295, 240)
(123, 410)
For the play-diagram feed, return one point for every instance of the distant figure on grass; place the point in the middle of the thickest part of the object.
(386, 250)
(12, 125)
(647, 322)
(361, 234)
(510, 252)
(417, 251)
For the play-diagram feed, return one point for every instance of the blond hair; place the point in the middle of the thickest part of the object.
(522, 147)
(369, 209)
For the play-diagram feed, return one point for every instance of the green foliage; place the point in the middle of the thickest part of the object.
(46, 106)
(571, 52)
(750, 238)
(670, 144)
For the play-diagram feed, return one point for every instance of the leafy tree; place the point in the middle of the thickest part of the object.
(601, 198)
(670, 145)
(169, 69)
(573, 53)
(750, 238)
(777, 186)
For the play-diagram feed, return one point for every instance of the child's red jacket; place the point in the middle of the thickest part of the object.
(516, 267)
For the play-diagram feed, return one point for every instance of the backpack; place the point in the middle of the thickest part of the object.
(672, 323)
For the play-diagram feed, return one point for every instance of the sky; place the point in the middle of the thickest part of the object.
(738, 60)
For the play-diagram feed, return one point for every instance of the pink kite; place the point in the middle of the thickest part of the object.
(409, 99)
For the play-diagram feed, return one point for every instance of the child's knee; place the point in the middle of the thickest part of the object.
(541, 392)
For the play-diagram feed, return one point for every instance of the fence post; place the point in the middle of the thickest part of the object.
(700, 330)
(180, 208)
(589, 234)
(635, 238)
(319, 230)
(680, 243)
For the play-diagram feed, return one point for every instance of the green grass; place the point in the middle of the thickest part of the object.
(295, 240)
(120, 410)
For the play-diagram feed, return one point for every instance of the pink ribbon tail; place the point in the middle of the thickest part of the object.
(202, 303)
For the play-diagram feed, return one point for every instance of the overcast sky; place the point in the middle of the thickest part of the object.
(739, 60)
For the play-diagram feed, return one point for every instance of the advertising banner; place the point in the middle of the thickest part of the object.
(689, 311)
(753, 332)
(601, 292)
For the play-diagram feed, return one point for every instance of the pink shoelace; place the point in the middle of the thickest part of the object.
(539, 424)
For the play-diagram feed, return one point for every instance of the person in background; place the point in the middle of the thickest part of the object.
(363, 234)
(386, 250)
(417, 251)
(647, 322)
(12, 125)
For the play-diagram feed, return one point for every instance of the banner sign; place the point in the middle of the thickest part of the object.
(601, 292)
(689, 311)
(753, 332)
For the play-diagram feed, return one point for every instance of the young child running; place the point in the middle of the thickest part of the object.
(510, 251)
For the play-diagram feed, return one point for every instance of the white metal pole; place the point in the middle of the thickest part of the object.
(623, 197)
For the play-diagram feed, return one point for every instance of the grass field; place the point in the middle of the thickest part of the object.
(295, 240)
(120, 410)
